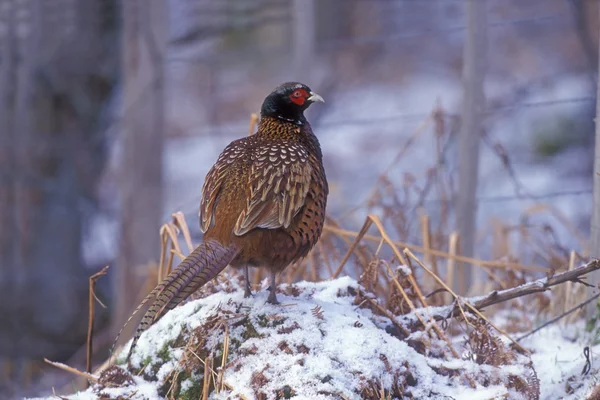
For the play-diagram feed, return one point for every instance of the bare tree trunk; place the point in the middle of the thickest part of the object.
(7, 141)
(472, 124)
(143, 47)
(582, 15)
(304, 39)
(591, 309)
(53, 88)
(8, 216)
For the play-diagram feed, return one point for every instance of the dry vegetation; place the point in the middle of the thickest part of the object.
(372, 254)
(215, 347)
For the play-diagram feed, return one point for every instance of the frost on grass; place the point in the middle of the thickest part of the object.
(325, 341)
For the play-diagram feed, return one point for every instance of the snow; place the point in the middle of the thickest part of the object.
(557, 355)
(319, 344)
(143, 390)
(404, 270)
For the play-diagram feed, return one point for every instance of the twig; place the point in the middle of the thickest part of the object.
(352, 247)
(426, 232)
(553, 320)
(172, 231)
(55, 395)
(208, 364)
(450, 265)
(385, 237)
(164, 242)
(92, 311)
(180, 222)
(368, 221)
(219, 385)
(458, 300)
(541, 285)
(253, 121)
(433, 324)
(72, 370)
(168, 231)
(386, 313)
(569, 285)
(178, 254)
(439, 253)
(360, 252)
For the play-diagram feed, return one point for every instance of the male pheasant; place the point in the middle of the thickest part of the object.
(263, 203)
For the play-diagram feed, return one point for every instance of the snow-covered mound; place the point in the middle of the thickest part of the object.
(322, 342)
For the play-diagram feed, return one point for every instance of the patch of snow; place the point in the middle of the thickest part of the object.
(316, 343)
(143, 390)
(404, 270)
(557, 355)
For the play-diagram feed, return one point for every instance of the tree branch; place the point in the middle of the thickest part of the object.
(496, 297)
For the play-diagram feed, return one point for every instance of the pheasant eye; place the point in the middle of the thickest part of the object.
(299, 97)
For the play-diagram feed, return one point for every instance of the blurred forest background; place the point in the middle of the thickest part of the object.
(473, 116)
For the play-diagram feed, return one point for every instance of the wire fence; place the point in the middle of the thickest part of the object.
(558, 17)
(525, 98)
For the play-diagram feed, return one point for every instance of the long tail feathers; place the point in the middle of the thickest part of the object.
(202, 265)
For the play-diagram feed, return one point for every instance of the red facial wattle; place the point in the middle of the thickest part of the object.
(299, 96)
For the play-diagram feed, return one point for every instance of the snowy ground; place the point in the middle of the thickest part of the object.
(558, 358)
(319, 344)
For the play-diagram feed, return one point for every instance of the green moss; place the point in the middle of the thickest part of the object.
(549, 146)
(194, 392)
(592, 322)
(563, 131)
(121, 360)
(250, 331)
(593, 326)
(165, 352)
(173, 391)
(146, 361)
(263, 321)
(266, 322)
(288, 392)
(143, 366)
(234, 342)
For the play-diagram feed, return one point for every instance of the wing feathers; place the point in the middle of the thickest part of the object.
(278, 190)
(278, 181)
(213, 181)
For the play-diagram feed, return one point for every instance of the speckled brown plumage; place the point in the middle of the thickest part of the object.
(267, 194)
(263, 202)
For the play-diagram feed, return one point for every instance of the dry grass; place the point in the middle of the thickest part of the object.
(208, 360)
(399, 232)
(399, 291)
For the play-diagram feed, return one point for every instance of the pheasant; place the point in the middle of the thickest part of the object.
(263, 204)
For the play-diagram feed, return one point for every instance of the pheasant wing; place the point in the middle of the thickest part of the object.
(280, 177)
(213, 181)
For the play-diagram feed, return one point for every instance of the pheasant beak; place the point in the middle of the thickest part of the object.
(315, 98)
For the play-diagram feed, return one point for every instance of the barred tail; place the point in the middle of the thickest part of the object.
(202, 265)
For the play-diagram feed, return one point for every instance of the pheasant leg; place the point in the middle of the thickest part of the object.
(272, 296)
(248, 290)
